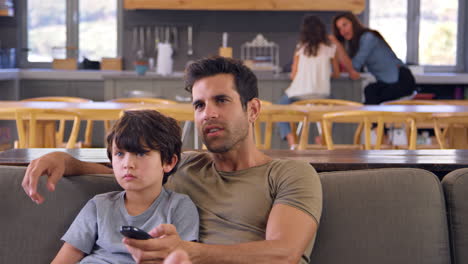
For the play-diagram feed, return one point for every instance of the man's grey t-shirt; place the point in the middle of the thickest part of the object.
(95, 231)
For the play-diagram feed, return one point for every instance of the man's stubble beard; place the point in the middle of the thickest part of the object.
(232, 139)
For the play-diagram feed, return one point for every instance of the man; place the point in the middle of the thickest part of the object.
(252, 209)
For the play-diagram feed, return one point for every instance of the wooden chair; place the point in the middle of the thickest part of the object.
(136, 100)
(258, 128)
(268, 117)
(413, 102)
(443, 123)
(366, 118)
(32, 116)
(426, 124)
(59, 134)
(327, 102)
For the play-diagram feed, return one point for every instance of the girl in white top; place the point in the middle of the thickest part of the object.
(314, 58)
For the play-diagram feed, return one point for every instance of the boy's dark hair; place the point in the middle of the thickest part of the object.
(140, 131)
(313, 33)
(244, 79)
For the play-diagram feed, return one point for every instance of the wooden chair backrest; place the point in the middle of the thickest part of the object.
(327, 102)
(142, 100)
(58, 99)
(413, 102)
(33, 115)
(61, 129)
(367, 118)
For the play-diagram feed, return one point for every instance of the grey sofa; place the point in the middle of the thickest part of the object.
(369, 216)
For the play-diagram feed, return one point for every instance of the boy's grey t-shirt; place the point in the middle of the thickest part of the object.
(95, 231)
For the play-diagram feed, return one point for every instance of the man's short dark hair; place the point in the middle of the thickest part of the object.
(139, 131)
(244, 79)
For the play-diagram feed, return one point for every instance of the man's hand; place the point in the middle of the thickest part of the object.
(178, 257)
(52, 165)
(166, 239)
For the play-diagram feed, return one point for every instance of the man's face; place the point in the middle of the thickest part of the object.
(219, 115)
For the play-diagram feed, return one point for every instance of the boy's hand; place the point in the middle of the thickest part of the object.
(52, 165)
(154, 250)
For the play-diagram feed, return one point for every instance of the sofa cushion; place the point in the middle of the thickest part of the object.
(455, 186)
(31, 233)
(382, 216)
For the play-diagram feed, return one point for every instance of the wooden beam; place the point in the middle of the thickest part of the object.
(356, 6)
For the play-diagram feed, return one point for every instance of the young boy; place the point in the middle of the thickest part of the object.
(144, 147)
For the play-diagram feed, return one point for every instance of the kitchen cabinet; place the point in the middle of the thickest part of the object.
(76, 88)
(356, 6)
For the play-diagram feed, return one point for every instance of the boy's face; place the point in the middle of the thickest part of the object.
(138, 172)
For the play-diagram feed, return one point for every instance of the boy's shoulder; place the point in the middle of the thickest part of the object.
(175, 197)
(109, 196)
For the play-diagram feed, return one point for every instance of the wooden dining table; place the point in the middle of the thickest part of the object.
(439, 162)
(111, 110)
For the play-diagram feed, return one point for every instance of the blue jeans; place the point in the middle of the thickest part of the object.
(284, 127)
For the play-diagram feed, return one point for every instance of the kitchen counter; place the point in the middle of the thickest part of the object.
(48, 74)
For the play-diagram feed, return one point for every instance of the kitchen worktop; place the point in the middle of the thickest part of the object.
(48, 74)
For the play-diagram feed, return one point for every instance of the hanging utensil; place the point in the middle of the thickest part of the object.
(142, 40)
(135, 40)
(175, 40)
(168, 35)
(148, 43)
(189, 41)
(156, 40)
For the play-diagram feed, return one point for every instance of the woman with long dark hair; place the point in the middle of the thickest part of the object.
(368, 48)
(314, 59)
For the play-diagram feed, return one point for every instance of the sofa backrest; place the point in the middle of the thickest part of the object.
(455, 186)
(31, 233)
(382, 216)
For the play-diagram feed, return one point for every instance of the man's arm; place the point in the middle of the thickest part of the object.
(68, 254)
(289, 231)
(55, 165)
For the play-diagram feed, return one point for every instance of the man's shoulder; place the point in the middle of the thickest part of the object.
(287, 163)
(188, 157)
(284, 168)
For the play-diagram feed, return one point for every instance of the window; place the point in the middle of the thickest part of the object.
(389, 18)
(52, 31)
(438, 32)
(46, 29)
(423, 32)
(98, 29)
